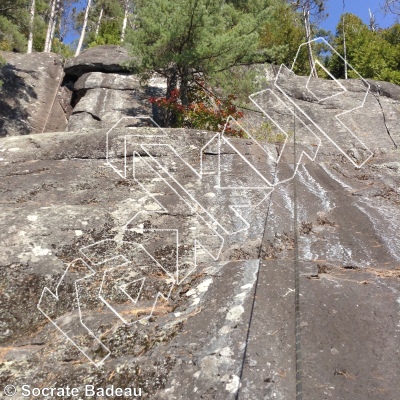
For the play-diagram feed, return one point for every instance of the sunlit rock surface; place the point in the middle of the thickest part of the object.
(229, 320)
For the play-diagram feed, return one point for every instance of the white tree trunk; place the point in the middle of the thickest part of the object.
(307, 25)
(31, 23)
(125, 21)
(99, 22)
(50, 27)
(61, 9)
(78, 49)
(53, 26)
(344, 50)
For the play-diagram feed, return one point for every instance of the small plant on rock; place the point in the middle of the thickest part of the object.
(204, 111)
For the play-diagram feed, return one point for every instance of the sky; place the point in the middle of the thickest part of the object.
(359, 8)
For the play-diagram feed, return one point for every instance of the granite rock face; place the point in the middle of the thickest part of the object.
(188, 263)
(30, 96)
(103, 91)
(78, 210)
(94, 90)
(102, 99)
(101, 80)
(98, 59)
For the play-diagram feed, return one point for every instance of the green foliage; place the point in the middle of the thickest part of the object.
(241, 80)
(373, 54)
(108, 28)
(109, 33)
(14, 26)
(62, 49)
(282, 34)
(269, 133)
(10, 36)
(39, 31)
(182, 38)
(392, 34)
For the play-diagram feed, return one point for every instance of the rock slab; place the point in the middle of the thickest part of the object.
(30, 94)
(98, 59)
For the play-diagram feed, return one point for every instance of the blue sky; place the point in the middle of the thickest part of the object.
(359, 8)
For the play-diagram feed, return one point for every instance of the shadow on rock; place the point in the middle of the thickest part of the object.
(15, 92)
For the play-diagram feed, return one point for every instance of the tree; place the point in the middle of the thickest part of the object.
(42, 26)
(106, 22)
(281, 35)
(127, 6)
(83, 31)
(51, 26)
(99, 22)
(2, 64)
(310, 10)
(373, 54)
(392, 6)
(13, 25)
(182, 39)
(31, 23)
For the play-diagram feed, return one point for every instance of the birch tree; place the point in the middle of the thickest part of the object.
(82, 36)
(125, 20)
(50, 26)
(308, 9)
(108, 22)
(53, 25)
(99, 22)
(31, 23)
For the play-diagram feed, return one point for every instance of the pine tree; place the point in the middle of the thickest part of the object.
(184, 38)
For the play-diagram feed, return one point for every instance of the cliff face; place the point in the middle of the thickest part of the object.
(94, 90)
(167, 258)
(29, 95)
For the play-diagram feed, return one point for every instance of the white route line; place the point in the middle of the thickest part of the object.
(54, 322)
(344, 90)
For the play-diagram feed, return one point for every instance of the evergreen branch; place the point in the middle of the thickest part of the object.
(189, 35)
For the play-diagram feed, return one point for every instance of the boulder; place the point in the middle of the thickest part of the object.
(104, 98)
(30, 96)
(98, 59)
(97, 80)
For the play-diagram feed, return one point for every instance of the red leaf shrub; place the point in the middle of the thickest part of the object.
(203, 112)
